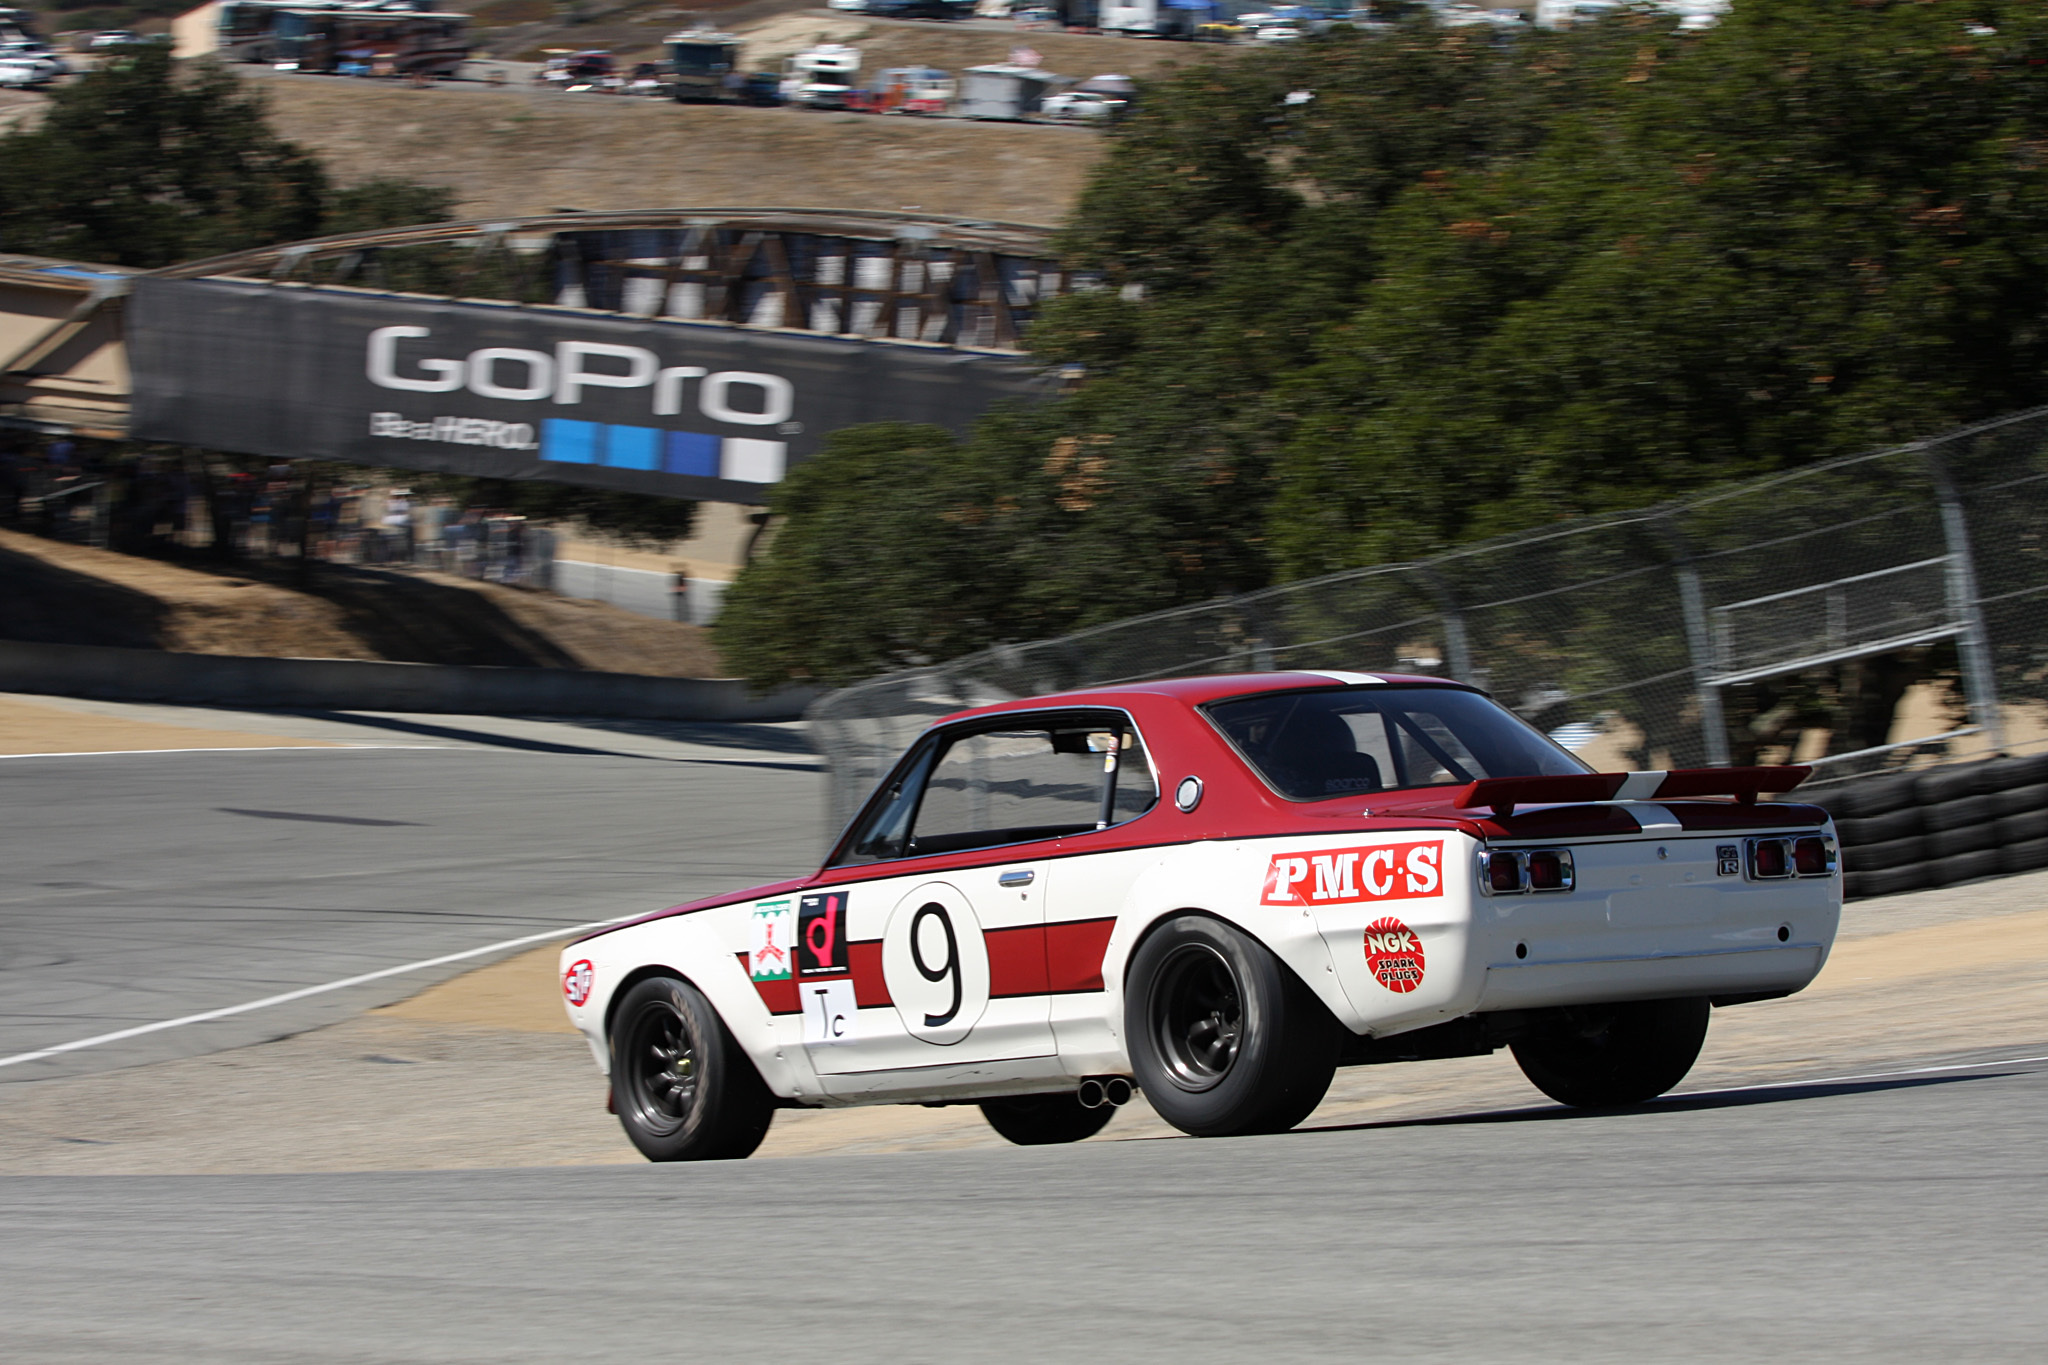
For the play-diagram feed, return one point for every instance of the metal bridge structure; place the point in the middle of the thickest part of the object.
(882, 280)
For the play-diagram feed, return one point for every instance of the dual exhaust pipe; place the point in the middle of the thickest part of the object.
(1096, 1091)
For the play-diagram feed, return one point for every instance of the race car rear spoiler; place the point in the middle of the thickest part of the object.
(1502, 794)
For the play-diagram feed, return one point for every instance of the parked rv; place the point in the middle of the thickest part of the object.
(346, 37)
(701, 65)
(821, 77)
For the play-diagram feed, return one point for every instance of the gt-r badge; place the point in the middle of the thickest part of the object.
(1344, 876)
(1394, 955)
(771, 940)
(576, 981)
(1728, 860)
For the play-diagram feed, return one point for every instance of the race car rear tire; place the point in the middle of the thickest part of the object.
(1603, 1056)
(1223, 1038)
(1042, 1120)
(683, 1088)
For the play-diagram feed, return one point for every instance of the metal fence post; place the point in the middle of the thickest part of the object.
(1457, 648)
(1973, 646)
(1699, 644)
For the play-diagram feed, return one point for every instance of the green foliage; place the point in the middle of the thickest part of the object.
(385, 203)
(1466, 286)
(890, 552)
(141, 163)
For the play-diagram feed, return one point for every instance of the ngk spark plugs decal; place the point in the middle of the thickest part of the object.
(1351, 876)
(1393, 954)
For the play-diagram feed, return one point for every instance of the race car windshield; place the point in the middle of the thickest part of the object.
(1311, 746)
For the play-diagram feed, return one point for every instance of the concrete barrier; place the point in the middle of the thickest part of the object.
(368, 685)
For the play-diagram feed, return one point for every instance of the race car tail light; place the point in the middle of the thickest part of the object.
(1813, 856)
(1510, 873)
(1770, 859)
(1550, 869)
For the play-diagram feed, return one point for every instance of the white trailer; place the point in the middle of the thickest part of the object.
(1005, 92)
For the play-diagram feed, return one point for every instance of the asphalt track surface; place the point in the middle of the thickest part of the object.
(1894, 1217)
(148, 887)
(1891, 1219)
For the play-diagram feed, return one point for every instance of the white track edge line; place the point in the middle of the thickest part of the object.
(1859, 1076)
(305, 991)
(331, 745)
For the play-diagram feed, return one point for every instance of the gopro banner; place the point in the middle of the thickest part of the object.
(509, 391)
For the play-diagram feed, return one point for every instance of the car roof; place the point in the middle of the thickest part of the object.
(1197, 691)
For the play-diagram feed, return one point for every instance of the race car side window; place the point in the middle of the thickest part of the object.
(886, 824)
(1317, 744)
(1011, 781)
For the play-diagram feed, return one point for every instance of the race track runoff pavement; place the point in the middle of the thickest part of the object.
(1891, 1211)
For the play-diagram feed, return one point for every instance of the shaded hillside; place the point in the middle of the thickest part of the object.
(70, 594)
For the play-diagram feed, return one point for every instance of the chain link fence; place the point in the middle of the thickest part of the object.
(1873, 613)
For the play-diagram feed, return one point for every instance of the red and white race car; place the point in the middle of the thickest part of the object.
(1215, 890)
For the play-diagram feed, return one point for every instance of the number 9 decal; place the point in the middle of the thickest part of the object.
(936, 964)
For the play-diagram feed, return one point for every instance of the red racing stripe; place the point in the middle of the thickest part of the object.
(1016, 961)
(1073, 954)
(865, 962)
(1029, 959)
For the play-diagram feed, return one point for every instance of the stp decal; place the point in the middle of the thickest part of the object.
(771, 941)
(576, 981)
(821, 934)
(1348, 876)
(1394, 955)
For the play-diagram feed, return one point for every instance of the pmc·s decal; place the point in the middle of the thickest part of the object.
(1348, 876)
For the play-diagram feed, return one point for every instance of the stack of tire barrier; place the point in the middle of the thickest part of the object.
(1942, 826)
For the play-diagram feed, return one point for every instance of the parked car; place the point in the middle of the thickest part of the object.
(1081, 106)
(588, 70)
(113, 37)
(29, 66)
(920, 9)
(1216, 890)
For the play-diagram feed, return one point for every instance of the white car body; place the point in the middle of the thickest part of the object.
(1388, 917)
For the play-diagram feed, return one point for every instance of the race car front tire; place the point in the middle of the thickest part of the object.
(1605, 1056)
(1223, 1038)
(1042, 1120)
(683, 1087)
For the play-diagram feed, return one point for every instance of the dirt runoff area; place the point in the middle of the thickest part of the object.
(72, 594)
(484, 1070)
(31, 727)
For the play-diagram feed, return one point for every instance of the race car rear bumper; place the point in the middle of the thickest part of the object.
(1764, 969)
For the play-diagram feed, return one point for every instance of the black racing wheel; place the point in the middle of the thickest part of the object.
(1600, 1056)
(683, 1088)
(1224, 1039)
(1041, 1120)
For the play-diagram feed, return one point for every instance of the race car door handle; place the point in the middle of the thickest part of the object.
(1020, 877)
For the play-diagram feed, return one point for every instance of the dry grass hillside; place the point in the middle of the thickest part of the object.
(516, 152)
(72, 594)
